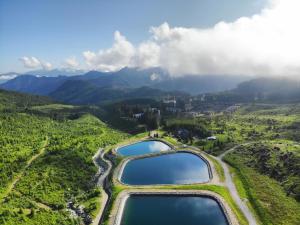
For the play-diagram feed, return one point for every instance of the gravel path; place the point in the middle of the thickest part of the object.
(233, 191)
(104, 196)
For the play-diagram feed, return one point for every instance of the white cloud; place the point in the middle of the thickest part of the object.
(30, 62)
(117, 57)
(147, 55)
(264, 44)
(46, 65)
(72, 63)
(154, 76)
(7, 77)
(34, 63)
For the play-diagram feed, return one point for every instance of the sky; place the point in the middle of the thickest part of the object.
(249, 37)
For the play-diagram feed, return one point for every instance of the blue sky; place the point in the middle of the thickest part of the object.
(53, 30)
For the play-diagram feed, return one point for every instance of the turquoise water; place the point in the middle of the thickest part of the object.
(175, 168)
(172, 210)
(142, 148)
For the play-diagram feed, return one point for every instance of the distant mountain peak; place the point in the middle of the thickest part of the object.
(126, 78)
(56, 72)
(7, 76)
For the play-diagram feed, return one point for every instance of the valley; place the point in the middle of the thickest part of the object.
(49, 152)
(35, 185)
(149, 112)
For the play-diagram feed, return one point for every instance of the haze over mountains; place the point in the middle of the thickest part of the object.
(97, 87)
(121, 81)
(4, 77)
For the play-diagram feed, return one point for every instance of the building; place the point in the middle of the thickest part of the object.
(212, 138)
(137, 115)
(193, 114)
(232, 109)
(173, 109)
(188, 107)
(169, 101)
(155, 110)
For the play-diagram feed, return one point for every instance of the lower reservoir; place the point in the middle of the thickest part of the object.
(174, 168)
(172, 210)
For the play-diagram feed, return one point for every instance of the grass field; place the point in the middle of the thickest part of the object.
(47, 162)
(266, 172)
(274, 201)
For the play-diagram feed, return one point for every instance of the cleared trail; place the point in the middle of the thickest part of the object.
(233, 191)
(21, 173)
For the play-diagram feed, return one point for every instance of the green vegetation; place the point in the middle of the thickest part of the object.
(10, 100)
(47, 162)
(46, 156)
(269, 159)
(271, 184)
(251, 123)
(218, 167)
(170, 140)
(266, 168)
(186, 129)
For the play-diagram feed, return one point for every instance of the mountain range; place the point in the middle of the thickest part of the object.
(4, 77)
(127, 78)
(95, 87)
(278, 89)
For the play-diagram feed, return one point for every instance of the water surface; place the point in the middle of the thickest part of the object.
(175, 168)
(142, 148)
(172, 210)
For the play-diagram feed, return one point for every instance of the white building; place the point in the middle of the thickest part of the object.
(211, 138)
(137, 115)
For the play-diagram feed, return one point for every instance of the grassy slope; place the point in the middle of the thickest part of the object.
(63, 172)
(266, 196)
(218, 168)
(274, 127)
(276, 124)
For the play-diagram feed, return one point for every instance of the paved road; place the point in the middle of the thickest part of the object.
(233, 191)
(104, 196)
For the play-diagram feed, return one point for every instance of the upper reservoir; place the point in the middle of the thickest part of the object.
(143, 147)
(174, 168)
(172, 210)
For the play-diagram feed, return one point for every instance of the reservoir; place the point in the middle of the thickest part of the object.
(172, 210)
(142, 148)
(174, 168)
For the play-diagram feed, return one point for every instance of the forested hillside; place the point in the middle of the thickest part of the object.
(10, 100)
(267, 90)
(263, 147)
(46, 162)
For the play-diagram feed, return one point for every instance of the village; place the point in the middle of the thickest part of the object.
(186, 111)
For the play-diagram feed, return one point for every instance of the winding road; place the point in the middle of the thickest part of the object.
(228, 183)
(232, 189)
(100, 182)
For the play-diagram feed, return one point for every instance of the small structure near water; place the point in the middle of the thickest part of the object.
(212, 138)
